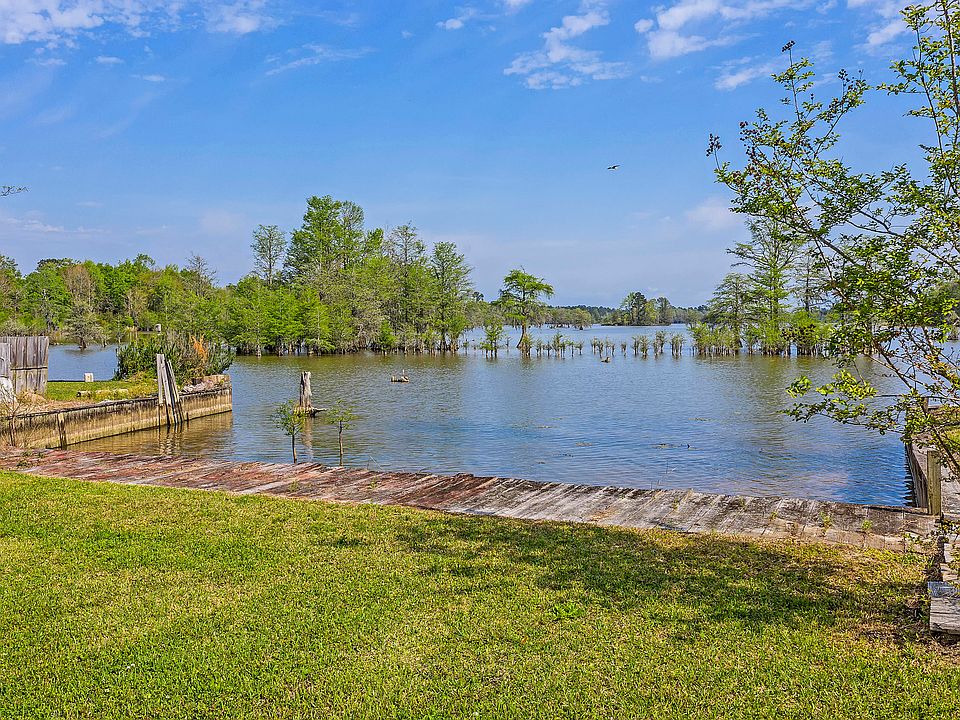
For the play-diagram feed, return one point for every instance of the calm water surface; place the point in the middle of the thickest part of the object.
(710, 424)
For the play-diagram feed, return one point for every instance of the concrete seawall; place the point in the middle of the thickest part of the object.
(890, 528)
(66, 426)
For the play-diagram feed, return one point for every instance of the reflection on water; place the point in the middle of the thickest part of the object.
(711, 424)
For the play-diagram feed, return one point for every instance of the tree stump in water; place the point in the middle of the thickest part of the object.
(306, 394)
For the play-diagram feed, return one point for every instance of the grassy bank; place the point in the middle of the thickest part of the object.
(68, 390)
(142, 602)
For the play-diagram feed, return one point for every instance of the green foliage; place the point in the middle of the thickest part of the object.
(192, 358)
(290, 418)
(342, 415)
(888, 241)
(520, 298)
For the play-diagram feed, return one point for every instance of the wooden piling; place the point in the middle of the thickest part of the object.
(306, 393)
(934, 497)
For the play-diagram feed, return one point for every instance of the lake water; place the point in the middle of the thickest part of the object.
(711, 424)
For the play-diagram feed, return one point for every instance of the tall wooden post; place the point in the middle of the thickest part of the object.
(163, 396)
(934, 502)
(306, 394)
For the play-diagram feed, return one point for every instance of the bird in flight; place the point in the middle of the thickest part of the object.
(613, 167)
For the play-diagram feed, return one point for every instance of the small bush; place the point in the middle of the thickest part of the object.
(191, 357)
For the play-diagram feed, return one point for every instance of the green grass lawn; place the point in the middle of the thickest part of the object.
(140, 602)
(101, 389)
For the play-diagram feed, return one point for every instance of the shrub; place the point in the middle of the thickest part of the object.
(191, 357)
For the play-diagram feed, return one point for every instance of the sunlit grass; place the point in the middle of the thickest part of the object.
(100, 389)
(121, 601)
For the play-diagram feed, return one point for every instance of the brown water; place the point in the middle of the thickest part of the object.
(710, 424)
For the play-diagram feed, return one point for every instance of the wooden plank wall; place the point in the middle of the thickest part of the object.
(5, 360)
(28, 362)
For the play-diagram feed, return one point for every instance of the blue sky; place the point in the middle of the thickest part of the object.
(171, 128)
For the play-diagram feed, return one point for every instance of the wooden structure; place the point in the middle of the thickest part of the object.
(66, 426)
(775, 518)
(25, 360)
(938, 493)
(934, 489)
(169, 404)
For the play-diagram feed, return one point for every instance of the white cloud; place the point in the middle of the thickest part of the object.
(736, 74)
(559, 64)
(885, 33)
(48, 62)
(514, 5)
(108, 60)
(713, 215)
(154, 78)
(56, 22)
(457, 22)
(664, 44)
(888, 24)
(34, 224)
(312, 54)
(240, 18)
(689, 26)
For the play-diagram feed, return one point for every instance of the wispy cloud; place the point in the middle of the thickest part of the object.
(108, 60)
(313, 54)
(154, 78)
(689, 26)
(457, 22)
(48, 61)
(57, 22)
(735, 73)
(240, 18)
(561, 64)
(714, 215)
(887, 26)
(34, 223)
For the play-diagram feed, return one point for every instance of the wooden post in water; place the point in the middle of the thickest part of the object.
(306, 394)
(163, 395)
(173, 391)
(169, 404)
(934, 502)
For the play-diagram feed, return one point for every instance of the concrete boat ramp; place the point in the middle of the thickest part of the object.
(888, 528)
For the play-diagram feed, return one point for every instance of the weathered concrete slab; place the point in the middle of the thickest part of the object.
(684, 511)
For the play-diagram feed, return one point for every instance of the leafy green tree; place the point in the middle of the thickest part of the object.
(11, 288)
(770, 256)
(290, 418)
(269, 247)
(635, 305)
(521, 299)
(664, 311)
(887, 239)
(729, 304)
(311, 246)
(342, 415)
(451, 288)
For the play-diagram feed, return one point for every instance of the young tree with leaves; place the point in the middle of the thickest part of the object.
(450, 289)
(521, 298)
(290, 418)
(269, 247)
(887, 239)
(341, 415)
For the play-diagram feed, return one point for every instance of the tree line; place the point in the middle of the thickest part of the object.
(332, 285)
(776, 302)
